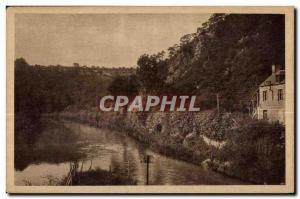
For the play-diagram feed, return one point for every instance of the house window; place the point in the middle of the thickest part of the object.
(272, 95)
(265, 94)
(280, 94)
(265, 114)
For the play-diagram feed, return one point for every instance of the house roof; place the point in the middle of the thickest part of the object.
(271, 80)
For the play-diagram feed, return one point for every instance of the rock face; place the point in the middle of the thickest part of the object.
(187, 53)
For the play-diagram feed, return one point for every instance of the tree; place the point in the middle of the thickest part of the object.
(124, 85)
(152, 72)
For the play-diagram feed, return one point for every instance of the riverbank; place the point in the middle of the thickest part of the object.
(219, 142)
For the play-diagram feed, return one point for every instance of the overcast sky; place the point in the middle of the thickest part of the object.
(110, 40)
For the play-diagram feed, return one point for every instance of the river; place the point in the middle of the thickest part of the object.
(48, 156)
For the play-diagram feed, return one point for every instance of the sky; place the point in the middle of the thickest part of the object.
(110, 40)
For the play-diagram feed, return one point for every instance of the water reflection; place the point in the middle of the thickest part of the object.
(62, 142)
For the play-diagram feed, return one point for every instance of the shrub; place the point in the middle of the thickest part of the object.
(257, 152)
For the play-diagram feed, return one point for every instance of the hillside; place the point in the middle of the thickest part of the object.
(229, 55)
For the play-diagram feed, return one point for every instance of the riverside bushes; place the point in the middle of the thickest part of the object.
(256, 152)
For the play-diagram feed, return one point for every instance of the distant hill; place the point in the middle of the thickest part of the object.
(105, 71)
(41, 89)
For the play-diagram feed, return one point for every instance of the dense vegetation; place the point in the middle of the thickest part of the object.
(40, 89)
(256, 152)
(229, 55)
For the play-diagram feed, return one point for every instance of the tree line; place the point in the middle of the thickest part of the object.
(41, 89)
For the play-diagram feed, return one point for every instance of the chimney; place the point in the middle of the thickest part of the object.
(273, 68)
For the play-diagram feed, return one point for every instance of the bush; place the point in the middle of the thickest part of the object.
(257, 152)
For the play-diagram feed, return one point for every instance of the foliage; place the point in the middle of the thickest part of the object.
(230, 54)
(256, 151)
(152, 72)
(40, 89)
(124, 85)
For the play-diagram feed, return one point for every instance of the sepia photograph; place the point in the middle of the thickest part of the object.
(150, 99)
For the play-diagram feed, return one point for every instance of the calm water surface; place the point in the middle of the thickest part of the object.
(63, 142)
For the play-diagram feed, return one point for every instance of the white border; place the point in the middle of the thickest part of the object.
(3, 4)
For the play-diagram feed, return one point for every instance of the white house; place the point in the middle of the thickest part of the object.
(271, 95)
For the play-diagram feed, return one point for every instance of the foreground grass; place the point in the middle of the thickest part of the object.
(97, 177)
